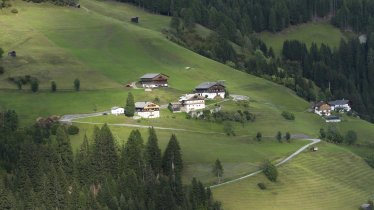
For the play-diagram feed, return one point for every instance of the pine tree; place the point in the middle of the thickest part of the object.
(64, 150)
(77, 84)
(218, 170)
(130, 105)
(53, 86)
(172, 160)
(153, 152)
(107, 152)
(279, 136)
(132, 154)
(83, 162)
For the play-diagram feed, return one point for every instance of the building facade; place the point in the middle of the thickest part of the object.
(211, 90)
(117, 110)
(147, 110)
(192, 102)
(154, 80)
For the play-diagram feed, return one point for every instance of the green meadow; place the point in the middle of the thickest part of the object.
(99, 45)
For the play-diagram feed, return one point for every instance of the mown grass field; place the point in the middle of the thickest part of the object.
(319, 33)
(99, 45)
(332, 178)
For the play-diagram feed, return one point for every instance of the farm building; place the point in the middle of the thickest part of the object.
(147, 109)
(330, 119)
(175, 107)
(322, 109)
(340, 105)
(117, 110)
(192, 102)
(211, 90)
(154, 80)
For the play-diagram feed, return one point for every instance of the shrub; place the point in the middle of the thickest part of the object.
(261, 185)
(350, 137)
(270, 171)
(288, 115)
(14, 11)
(34, 85)
(73, 130)
(54, 128)
(2, 70)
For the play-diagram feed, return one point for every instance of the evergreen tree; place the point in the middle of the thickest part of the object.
(64, 150)
(53, 86)
(279, 136)
(218, 170)
(258, 136)
(288, 137)
(77, 84)
(132, 154)
(130, 105)
(153, 152)
(34, 85)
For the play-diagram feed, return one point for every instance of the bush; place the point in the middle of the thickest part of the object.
(54, 128)
(350, 137)
(73, 130)
(34, 85)
(2, 70)
(261, 186)
(288, 115)
(270, 171)
(14, 11)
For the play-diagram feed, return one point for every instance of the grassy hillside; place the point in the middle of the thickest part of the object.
(308, 33)
(332, 178)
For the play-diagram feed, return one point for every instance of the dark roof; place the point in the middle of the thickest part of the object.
(339, 102)
(332, 118)
(207, 85)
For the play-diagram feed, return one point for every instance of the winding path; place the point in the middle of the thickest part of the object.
(313, 141)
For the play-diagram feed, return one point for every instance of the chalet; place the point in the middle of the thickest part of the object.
(211, 90)
(332, 119)
(340, 105)
(154, 80)
(175, 107)
(147, 109)
(192, 102)
(117, 110)
(322, 109)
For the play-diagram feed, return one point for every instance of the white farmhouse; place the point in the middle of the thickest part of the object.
(322, 109)
(340, 105)
(154, 80)
(192, 102)
(211, 90)
(147, 110)
(117, 110)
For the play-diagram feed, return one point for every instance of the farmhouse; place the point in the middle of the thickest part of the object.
(154, 80)
(147, 109)
(192, 102)
(211, 90)
(340, 105)
(322, 109)
(117, 110)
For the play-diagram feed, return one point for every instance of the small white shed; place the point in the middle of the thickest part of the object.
(117, 110)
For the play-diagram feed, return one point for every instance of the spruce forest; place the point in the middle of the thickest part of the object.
(44, 173)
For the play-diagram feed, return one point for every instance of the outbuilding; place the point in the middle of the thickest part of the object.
(117, 110)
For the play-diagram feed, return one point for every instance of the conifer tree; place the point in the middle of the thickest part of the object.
(153, 152)
(130, 105)
(218, 170)
(132, 154)
(64, 150)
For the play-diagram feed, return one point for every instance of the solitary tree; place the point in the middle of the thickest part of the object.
(1, 49)
(130, 105)
(34, 85)
(77, 84)
(53, 86)
(258, 136)
(270, 171)
(288, 137)
(218, 170)
(279, 136)
(351, 137)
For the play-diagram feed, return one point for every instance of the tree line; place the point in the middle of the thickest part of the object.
(42, 172)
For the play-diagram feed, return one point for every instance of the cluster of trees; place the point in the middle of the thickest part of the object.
(286, 137)
(332, 134)
(45, 174)
(57, 2)
(234, 116)
(344, 72)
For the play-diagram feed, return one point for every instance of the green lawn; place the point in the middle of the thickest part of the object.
(332, 178)
(239, 155)
(308, 33)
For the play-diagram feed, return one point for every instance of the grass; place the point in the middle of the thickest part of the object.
(332, 178)
(239, 155)
(319, 33)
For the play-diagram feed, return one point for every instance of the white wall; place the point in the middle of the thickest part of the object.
(155, 114)
(212, 95)
(118, 111)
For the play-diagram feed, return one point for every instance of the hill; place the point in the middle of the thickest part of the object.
(99, 45)
(332, 178)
